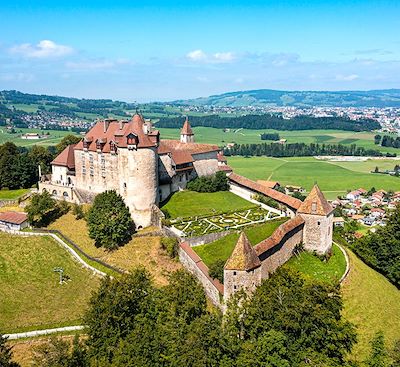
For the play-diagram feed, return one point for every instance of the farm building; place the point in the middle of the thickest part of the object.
(13, 220)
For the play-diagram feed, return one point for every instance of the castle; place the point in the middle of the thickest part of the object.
(130, 158)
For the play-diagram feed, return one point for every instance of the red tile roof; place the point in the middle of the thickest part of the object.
(66, 158)
(186, 129)
(276, 195)
(278, 235)
(270, 184)
(225, 168)
(181, 157)
(315, 203)
(13, 217)
(117, 132)
(221, 157)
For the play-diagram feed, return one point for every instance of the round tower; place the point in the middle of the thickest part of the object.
(138, 171)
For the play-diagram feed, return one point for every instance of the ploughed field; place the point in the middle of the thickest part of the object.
(245, 136)
(334, 178)
(30, 294)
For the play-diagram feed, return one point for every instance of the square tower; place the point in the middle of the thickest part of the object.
(318, 217)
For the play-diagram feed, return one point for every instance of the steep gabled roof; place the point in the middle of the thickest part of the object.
(315, 203)
(243, 256)
(13, 217)
(66, 158)
(186, 129)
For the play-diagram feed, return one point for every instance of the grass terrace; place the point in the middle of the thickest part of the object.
(312, 267)
(12, 194)
(31, 296)
(190, 203)
(222, 248)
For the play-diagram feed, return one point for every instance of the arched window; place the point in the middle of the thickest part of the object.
(65, 194)
(54, 193)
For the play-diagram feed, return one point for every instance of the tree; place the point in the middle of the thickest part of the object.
(41, 156)
(109, 221)
(52, 354)
(378, 356)
(216, 270)
(8, 162)
(6, 354)
(67, 140)
(42, 209)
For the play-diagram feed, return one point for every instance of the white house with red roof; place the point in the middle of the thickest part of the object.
(130, 158)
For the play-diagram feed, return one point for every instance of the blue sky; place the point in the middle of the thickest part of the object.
(164, 50)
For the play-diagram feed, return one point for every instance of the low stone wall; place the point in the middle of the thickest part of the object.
(193, 263)
(12, 202)
(207, 238)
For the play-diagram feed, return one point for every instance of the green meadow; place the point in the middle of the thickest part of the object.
(53, 138)
(334, 178)
(245, 136)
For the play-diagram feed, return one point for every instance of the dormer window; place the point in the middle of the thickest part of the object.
(113, 147)
(313, 207)
(131, 141)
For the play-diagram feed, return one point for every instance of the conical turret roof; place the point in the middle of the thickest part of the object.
(315, 203)
(243, 256)
(186, 129)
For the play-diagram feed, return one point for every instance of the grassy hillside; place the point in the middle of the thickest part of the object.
(189, 203)
(334, 178)
(31, 296)
(372, 303)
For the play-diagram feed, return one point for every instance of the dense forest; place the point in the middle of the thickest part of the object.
(270, 136)
(381, 249)
(301, 149)
(387, 141)
(267, 121)
(131, 322)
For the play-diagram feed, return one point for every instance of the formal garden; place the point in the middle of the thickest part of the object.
(232, 220)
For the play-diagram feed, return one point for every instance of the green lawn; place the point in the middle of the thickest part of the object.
(334, 178)
(189, 203)
(312, 267)
(222, 248)
(372, 303)
(12, 194)
(31, 296)
(245, 136)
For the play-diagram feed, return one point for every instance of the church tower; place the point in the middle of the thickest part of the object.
(318, 216)
(242, 269)
(187, 135)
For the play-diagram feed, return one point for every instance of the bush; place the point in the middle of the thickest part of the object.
(63, 207)
(77, 210)
(216, 270)
(170, 245)
(217, 182)
(266, 200)
(109, 221)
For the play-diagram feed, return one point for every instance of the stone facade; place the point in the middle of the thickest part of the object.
(318, 232)
(128, 157)
(238, 279)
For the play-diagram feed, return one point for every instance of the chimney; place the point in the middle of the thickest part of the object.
(105, 122)
(121, 125)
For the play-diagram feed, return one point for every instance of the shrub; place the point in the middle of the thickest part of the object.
(266, 200)
(109, 221)
(63, 207)
(170, 245)
(216, 270)
(217, 182)
(77, 210)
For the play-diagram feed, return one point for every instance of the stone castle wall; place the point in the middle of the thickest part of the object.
(281, 253)
(192, 262)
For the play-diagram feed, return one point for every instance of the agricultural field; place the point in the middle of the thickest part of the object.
(334, 178)
(221, 249)
(31, 296)
(140, 251)
(190, 203)
(195, 226)
(53, 138)
(246, 136)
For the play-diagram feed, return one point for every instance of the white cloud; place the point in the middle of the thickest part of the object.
(217, 58)
(347, 78)
(197, 55)
(44, 49)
